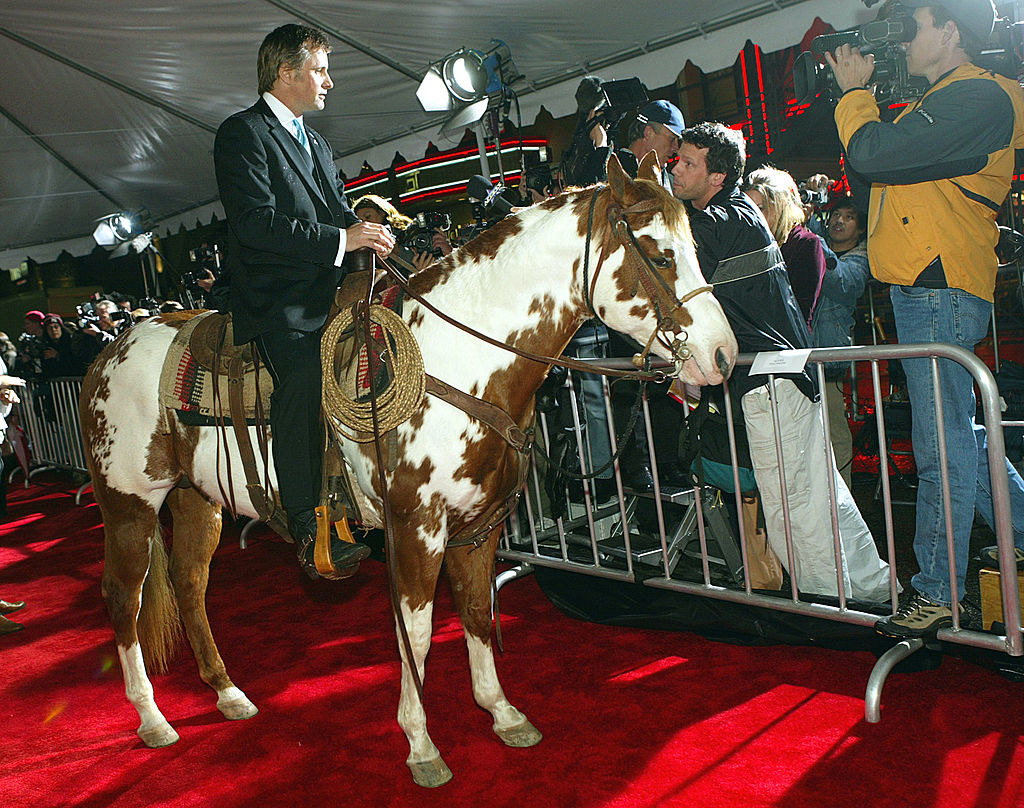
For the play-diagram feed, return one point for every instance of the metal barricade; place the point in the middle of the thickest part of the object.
(48, 413)
(600, 539)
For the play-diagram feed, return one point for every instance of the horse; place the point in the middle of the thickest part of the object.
(621, 251)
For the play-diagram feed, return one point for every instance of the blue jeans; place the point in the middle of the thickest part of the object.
(955, 317)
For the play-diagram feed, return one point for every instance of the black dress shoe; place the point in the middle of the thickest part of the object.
(7, 608)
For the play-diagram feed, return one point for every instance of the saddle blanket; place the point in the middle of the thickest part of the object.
(189, 388)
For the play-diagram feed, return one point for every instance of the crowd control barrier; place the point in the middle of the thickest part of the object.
(602, 539)
(48, 414)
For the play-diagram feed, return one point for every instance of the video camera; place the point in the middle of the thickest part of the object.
(206, 259)
(87, 316)
(883, 37)
(618, 98)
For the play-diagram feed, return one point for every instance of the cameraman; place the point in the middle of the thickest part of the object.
(939, 173)
(96, 331)
(656, 127)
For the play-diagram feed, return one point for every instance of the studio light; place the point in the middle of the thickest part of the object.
(114, 229)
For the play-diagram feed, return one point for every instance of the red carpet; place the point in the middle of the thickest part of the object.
(630, 718)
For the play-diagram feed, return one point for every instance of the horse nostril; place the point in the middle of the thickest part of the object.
(722, 360)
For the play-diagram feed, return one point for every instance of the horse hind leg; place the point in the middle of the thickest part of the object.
(197, 526)
(139, 603)
(470, 571)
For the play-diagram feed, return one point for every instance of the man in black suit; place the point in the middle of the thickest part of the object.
(289, 228)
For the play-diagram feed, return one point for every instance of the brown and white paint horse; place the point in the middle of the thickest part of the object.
(521, 282)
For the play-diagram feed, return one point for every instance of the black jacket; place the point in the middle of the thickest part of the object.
(283, 223)
(738, 254)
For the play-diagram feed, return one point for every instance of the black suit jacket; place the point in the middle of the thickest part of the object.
(282, 224)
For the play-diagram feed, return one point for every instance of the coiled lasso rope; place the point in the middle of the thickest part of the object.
(395, 404)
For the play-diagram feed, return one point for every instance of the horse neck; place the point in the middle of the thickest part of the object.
(517, 282)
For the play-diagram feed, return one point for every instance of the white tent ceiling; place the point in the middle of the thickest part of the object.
(113, 105)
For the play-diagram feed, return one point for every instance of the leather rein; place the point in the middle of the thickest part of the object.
(657, 289)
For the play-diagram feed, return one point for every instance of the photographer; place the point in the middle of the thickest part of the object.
(939, 172)
(421, 244)
(200, 284)
(99, 323)
(655, 127)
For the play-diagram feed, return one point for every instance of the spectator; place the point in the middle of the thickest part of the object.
(737, 253)
(8, 398)
(30, 349)
(60, 357)
(8, 351)
(841, 288)
(775, 193)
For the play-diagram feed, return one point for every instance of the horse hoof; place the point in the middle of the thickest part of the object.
(430, 773)
(234, 704)
(158, 736)
(237, 709)
(520, 735)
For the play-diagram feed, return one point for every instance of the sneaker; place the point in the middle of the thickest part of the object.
(990, 557)
(917, 617)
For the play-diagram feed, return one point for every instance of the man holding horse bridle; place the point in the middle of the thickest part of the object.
(289, 229)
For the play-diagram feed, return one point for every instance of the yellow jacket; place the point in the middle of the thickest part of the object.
(939, 174)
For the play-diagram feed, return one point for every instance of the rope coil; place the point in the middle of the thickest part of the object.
(399, 400)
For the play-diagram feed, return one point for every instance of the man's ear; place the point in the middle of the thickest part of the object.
(717, 179)
(649, 167)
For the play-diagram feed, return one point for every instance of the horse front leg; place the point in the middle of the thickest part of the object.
(416, 569)
(197, 526)
(470, 570)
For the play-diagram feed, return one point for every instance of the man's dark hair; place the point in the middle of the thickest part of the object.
(968, 39)
(849, 204)
(727, 153)
(288, 46)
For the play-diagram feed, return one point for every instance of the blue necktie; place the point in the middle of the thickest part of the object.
(300, 134)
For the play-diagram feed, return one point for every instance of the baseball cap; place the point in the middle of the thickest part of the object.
(35, 315)
(664, 112)
(976, 16)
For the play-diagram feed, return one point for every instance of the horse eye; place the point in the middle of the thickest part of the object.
(661, 261)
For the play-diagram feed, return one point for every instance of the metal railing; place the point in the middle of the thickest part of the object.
(602, 539)
(48, 413)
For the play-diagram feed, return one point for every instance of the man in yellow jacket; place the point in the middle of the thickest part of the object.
(939, 174)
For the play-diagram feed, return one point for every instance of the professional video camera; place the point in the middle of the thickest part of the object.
(883, 37)
(87, 315)
(204, 259)
(419, 236)
(616, 99)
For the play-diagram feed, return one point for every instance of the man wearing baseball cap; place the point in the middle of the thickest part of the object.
(939, 174)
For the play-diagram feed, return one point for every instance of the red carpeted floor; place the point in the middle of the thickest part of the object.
(630, 718)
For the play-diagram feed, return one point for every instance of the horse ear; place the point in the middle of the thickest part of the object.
(617, 178)
(649, 167)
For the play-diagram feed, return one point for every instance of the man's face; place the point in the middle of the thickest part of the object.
(33, 327)
(662, 140)
(690, 178)
(305, 89)
(842, 228)
(924, 50)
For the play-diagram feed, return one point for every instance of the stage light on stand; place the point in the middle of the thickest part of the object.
(466, 84)
(130, 230)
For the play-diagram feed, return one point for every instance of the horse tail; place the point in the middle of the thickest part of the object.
(159, 623)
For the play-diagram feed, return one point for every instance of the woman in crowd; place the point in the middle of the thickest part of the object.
(776, 194)
(59, 355)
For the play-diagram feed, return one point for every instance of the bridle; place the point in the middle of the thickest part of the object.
(666, 306)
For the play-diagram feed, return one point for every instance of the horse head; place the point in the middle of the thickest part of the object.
(646, 281)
